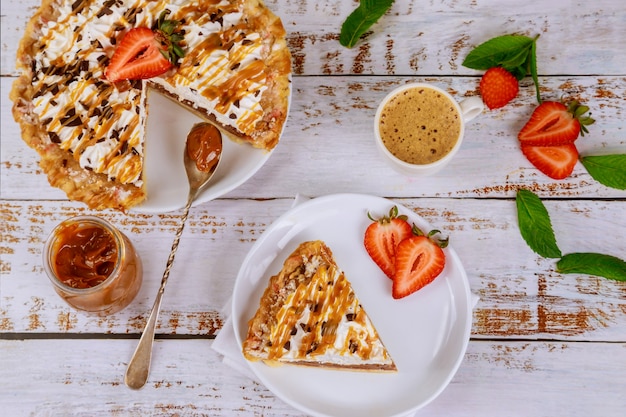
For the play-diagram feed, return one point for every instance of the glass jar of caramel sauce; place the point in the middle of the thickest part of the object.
(92, 265)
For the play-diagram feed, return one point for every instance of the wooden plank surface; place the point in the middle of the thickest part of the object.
(330, 131)
(520, 293)
(424, 37)
(498, 378)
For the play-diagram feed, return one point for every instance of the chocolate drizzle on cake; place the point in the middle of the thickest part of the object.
(63, 98)
(71, 71)
(310, 315)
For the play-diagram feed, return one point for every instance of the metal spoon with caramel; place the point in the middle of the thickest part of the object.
(203, 151)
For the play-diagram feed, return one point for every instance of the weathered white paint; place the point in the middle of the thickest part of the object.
(425, 37)
(517, 287)
(331, 120)
(496, 378)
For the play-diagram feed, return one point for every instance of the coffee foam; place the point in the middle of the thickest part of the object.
(420, 125)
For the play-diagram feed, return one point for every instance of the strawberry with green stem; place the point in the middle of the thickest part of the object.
(419, 260)
(146, 53)
(382, 237)
(555, 123)
(515, 54)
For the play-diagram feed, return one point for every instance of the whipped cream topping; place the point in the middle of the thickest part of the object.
(322, 321)
(103, 124)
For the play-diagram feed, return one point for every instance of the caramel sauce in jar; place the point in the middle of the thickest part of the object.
(92, 265)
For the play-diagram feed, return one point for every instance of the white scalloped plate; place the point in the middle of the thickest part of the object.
(426, 333)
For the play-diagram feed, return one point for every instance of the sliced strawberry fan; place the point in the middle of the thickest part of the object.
(404, 253)
(547, 139)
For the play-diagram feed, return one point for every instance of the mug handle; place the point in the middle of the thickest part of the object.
(471, 107)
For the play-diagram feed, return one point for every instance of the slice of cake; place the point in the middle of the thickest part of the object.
(90, 132)
(309, 315)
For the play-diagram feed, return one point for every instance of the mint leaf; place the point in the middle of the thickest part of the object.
(535, 226)
(498, 50)
(597, 264)
(515, 53)
(609, 170)
(361, 19)
(516, 61)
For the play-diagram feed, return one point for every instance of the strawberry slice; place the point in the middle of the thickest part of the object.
(555, 123)
(556, 161)
(137, 57)
(383, 236)
(146, 53)
(419, 260)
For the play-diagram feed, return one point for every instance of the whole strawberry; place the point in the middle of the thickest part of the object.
(515, 54)
(498, 87)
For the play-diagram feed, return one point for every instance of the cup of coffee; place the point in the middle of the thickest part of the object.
(419, 127)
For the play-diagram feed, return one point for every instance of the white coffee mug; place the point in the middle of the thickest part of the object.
(467, 109)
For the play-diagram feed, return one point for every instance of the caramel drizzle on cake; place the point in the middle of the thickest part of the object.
(223, 76)
(324, 317)
(310, 315)
(222, 63)
(94, 120)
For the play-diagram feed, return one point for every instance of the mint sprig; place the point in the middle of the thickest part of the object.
(535, 226)
(515, 53)
(536, 229)
(361, 19)
(609, 170)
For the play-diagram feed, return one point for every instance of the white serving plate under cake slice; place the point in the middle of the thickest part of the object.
(426, 333)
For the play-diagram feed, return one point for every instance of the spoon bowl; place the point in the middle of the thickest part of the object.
(202, 154)
(203, 151)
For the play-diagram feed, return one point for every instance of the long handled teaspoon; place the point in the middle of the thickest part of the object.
(203, 151)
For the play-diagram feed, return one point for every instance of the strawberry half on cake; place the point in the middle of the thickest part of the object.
(87, 65)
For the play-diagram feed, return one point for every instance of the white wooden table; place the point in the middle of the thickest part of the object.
(542, 343)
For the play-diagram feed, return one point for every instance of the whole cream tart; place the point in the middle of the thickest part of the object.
(90, 133)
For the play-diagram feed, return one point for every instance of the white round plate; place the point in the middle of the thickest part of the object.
(164, 172)
(426, 332)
